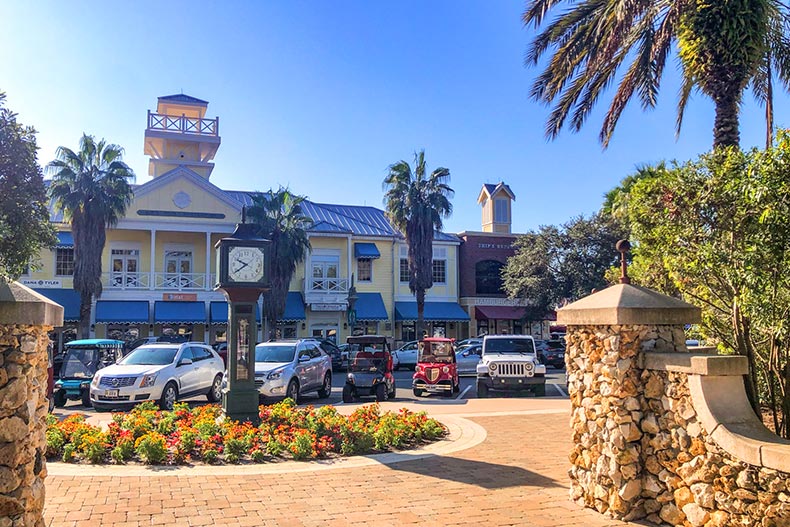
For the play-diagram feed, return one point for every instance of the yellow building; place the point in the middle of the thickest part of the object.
(159, 265)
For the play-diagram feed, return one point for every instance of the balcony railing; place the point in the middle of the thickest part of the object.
(181, 281)
(328, 285)
(125, 280)
(183, 124)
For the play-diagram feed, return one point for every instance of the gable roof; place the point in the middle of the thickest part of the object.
(490, 189)
(193, 177)
(183, 98)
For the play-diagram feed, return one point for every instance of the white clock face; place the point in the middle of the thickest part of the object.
(245, 264)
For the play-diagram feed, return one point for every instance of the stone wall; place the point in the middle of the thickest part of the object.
(641, 450)
(23, 409)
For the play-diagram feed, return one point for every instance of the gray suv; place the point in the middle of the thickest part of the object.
(290, 368)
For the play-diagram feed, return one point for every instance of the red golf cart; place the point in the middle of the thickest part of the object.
(436, 370)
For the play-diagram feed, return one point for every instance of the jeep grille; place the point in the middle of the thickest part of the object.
(512, 369)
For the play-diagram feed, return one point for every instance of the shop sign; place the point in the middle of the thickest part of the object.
(41, 283)
(179, 297)
(328, 307)
(498, 302)
(494, 246)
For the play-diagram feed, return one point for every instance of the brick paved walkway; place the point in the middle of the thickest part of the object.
(516, 476)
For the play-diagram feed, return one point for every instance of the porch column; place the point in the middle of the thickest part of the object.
(152, 278)
(208, 285)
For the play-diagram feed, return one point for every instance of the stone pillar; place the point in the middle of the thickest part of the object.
(25, 319)
(607, 334)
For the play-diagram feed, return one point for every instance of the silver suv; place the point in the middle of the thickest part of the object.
(290, 368)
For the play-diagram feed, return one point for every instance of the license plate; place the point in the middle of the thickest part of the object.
(111, 393)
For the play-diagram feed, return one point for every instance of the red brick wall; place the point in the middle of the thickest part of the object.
(476, 248)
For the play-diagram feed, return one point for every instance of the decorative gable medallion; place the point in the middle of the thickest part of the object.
(181, 199)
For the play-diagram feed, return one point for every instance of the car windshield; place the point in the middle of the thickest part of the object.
(368, 359)
(153, 356)
(80, 363)
(436, 352)
(471, 348)
(269, 353)
(510, 346)
(556, 345)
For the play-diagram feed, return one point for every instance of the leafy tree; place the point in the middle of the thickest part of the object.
(280, 219)
(721, 45)
(24, 217)
(415, 204)
(91, 187)
(719, 229)
(555, 265)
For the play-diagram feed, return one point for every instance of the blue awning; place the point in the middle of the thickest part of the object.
(294, 307)
(65, 240)
(370, 306)
(218, 312)
(363, 251)
(439, 311)
(180, 312)
(68, 298)
(122, 311)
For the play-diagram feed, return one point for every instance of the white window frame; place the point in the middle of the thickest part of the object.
(439, 255)
(55, 260)
(359, 275)
(178, 248)
(500, 210)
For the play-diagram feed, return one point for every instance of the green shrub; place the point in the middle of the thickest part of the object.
(210, 455)
(235, 449)
(151, 448)
(69, 453)
(302, 445)
(55, 442)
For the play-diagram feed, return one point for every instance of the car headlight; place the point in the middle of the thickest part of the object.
(350, 378)
(96, 380)
(492, 366)
(276, 374)
(446, 369)
(58, 384)
(148, 380)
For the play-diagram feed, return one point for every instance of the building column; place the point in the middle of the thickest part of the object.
(208, 285)
(152, 278)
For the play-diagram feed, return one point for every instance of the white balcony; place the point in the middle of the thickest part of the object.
(181, 124)
(125, 280)
(326, 290)
(182, 281)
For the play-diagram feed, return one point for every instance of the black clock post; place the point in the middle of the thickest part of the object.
(243, 265)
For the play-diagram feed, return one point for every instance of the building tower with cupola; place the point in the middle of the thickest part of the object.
(179, 134)
(496, 201)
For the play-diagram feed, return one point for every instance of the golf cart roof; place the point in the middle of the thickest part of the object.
(367, 339)
(437, 339)
(95, 343)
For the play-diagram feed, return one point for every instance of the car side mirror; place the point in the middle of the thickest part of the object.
(304, 358)
(465, 354)
(185, 362)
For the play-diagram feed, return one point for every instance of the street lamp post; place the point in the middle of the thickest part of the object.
(243, 264)
(351, 313)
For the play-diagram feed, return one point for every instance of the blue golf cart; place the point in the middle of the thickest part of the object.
(81, 360)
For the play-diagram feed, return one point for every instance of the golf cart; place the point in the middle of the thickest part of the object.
(437, 371)
(81, 360)
(369, 369)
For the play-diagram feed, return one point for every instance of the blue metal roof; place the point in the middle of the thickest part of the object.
(367, 251)
(180, 312)
(294, 307)
(122, 311)
(180, 97)
(438, 311)
(370, 306)
(218, 312)
(68, 298)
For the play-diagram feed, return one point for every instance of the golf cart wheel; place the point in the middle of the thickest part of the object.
(482, 390)
(381, 392)
(393, 393)
(540, 390)
(457, 388)
(348, 394)
(448, 393)
(418, 392)
(326, 388)
(86, 398)
(59, 399)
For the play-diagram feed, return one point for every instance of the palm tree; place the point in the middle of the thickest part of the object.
(416, 204)
(720, 45)
(280, 219)
(91, 187)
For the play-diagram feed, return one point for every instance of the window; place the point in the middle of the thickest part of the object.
(500, 210)
(125, 264)
(325, 275)
(488, 277)
(200, 353)
(408, 332)
(440, 271)
(404, 270)
(64, 262)
(365, 270)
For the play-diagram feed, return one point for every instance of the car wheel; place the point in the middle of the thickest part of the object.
(293, 391)
(457, 387)
(169, 396)
(59, 398)
(215, 392)
(393, 393)
(381, 392)
(51, 403)
(326, 388)
(482, 390)
(418, 392)
(86, 398)
(540, 390)
(348, 394)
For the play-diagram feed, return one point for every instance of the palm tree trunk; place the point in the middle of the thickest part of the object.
(726, 130)
(85, 315)
(420, 293)
(769, 109)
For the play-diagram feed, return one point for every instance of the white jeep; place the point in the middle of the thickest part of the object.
(510, 363)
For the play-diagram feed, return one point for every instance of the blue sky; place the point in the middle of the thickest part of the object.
(323, 96)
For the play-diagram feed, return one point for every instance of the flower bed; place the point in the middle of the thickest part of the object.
(150, 436)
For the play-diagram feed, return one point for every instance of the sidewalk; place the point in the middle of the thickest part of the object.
(506, 465)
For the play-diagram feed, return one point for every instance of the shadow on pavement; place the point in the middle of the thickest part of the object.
(485, 475)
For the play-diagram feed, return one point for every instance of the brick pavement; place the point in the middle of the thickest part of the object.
(515, 477)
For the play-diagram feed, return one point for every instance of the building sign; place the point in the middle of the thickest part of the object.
(494, 246)
(515, 302)
(47, 284)
(328, 307)
(179, 297)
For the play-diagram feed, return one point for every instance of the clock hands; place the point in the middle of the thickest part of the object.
(243, 265)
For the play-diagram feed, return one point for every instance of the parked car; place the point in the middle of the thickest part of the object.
(161, 372)
(81, 360)
(510, 363)
(291, 368)
(333, 351)
(407, 355)
(222, 350)
(136, 343)
(369, 369)
(554, 355)
(465, 342)
(467, 358)
(436, 371)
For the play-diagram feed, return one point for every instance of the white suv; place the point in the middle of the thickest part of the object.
(160, 372)
(510, 363)
(292, 368)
